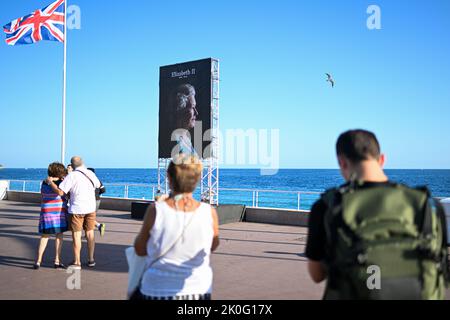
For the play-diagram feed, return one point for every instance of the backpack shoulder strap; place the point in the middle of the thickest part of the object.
(328, 197)
(445, 255)
(84, 174)
(332, 198)
(435, 208)
(331, 219)
(441, 214)
(438, 208)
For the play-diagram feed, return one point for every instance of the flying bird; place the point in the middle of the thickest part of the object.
(330, 79)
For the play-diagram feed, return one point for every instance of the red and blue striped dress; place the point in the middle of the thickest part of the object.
(53, 217)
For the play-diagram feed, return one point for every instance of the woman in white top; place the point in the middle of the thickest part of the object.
(178, 236)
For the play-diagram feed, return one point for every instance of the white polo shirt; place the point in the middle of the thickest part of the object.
(81, 191)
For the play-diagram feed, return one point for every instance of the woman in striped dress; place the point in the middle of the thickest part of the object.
(53, 220)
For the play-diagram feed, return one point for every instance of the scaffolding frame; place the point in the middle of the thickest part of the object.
(209, 184)
(163, 182)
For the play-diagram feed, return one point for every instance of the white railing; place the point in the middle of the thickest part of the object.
(23, 184)
(126, 187)
(255, 200)
(256, 194)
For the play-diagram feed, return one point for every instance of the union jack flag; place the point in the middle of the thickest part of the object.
(45, 24)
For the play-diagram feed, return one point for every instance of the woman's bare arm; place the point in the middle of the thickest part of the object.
(140, 244)
(316, 271)
(54, 187)
(216, 240)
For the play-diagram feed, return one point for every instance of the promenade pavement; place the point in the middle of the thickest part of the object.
(254, 261)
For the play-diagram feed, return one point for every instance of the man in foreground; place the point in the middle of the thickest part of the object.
(374, 239)
(80, 184)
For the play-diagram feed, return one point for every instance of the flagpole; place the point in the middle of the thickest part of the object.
(63, 134)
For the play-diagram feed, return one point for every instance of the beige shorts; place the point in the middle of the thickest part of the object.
(80, 222)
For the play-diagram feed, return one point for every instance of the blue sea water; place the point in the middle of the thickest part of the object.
(306, 180)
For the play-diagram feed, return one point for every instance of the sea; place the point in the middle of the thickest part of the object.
(142, 184)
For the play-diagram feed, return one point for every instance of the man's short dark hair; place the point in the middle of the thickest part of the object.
(358, 145)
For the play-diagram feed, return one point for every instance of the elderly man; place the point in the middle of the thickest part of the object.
(80, 184)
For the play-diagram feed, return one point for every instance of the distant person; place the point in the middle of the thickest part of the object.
(184, 105)
(101, 227)
(372, 238)
(178, 236)
(81, 185)
(69, 168)
(52, 220)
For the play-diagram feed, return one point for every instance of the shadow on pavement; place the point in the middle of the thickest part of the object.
(109, 257)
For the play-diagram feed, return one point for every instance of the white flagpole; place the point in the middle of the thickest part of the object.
(63, 135)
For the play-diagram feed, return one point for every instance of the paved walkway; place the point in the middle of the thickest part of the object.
(254, 261)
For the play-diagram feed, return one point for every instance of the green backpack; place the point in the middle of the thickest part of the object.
(385, 242)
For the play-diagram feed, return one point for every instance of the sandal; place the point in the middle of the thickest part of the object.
(36, 266)
(74, 266)
(60, 266)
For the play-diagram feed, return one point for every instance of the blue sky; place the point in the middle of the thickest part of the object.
(273, 56)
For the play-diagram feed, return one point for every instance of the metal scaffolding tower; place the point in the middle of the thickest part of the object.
(209, 186)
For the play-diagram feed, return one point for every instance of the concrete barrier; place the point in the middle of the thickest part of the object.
(227, 213)
(446, 204)
(107, 203)
(118, 204)
(277, 216)
(28, 197)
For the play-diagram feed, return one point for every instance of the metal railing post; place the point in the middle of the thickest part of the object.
(23, 186)
(257, 199)
(126, 191)
(253, 199)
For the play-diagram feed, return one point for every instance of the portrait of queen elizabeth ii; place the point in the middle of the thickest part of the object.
(185, 109)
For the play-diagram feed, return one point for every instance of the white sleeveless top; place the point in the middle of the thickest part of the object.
(185, 269)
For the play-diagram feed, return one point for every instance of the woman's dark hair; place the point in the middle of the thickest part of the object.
(57, 170)
(358, 145)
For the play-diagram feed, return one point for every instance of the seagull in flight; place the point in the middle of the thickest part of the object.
(330, 79)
